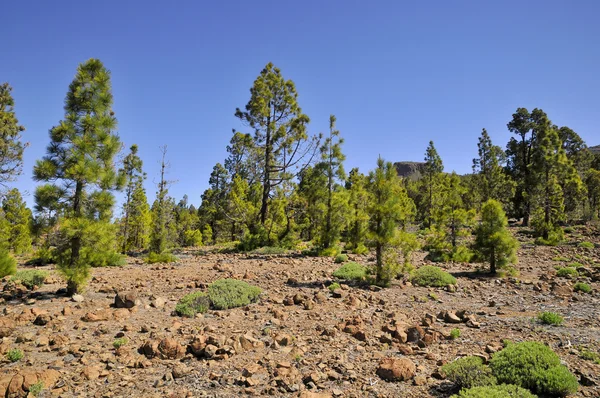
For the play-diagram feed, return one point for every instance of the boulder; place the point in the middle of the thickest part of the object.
(126, 300)
(396, 369)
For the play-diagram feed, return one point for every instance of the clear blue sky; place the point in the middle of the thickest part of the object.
(395, 73)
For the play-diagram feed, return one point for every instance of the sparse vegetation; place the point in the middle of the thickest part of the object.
(341, 258)
(432, 276)
(192, 304)
(232, 293)
(582, 287)
(586, 245)
(31, 279)
(469, 372)
(551, 318)
(164, 257)
(564, 272)
(118, 343)
(36, 389)
(499, 391)
(351, 271)
(454, 333)
(14, 355)
(270, 250)
(334, 286)
(8, 265)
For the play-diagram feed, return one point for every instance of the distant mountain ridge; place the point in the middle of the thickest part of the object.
(595, 149)
(412, 170)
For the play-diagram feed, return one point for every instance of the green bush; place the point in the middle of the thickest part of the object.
(192, 237)
(120, 342)
(560, 258)
(575, 265)
(341, 258)
(589, 356)
(329, 252)
(469, 372)
(270, 250)
(333, 287)
(532, 365)
(351, 271)
(164, 257)
(8, 265)
(30, 278)
(564, 272)
(582, 287)
(192, 304)
(14, 355)
(500, 391)
(36, 389)
(586, 245)
(454, 333)
(232, 293)
(432, 276)
(43, 256)
(360, 249)
(551, 318)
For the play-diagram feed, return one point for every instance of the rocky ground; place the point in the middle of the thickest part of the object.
(299, 339)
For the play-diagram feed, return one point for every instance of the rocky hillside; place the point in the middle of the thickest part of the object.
(411, 170)
(595, 149)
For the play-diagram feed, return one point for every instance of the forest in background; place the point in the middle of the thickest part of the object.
(281, 187)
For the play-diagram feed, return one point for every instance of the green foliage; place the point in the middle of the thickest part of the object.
(533, 365)
(493, 241)
(555, 236)
(454, 333)
(564, 272)
(192, 304)
(432, 174)
(499, 391)
(551, 318)
(560, 258)
(163, 232)
(192, 237)
(360, 249)
(11, 147)
(469, 372)
(586, 245)
(36, 389)
(18, 218)
(334, 286)
(118, 343)
(340, 258)
(330, 252)
(14, 355)
(164, 257)
(79, 168)
(575, 265)
(432, 276)
(232, 293)
(582, 287)
(42, 256)
(8, 265)
(351, 271)
(30, 278)
(589, 356)
(270, 250)
(358, 221)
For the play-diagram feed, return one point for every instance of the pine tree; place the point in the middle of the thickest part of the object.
(187, 223)
(162, 211)
(592, 183)
(493, 241)
(80, 156)
(213, 207)
(279, 131)
(11, 147)
(312, 192)
(134, 208)
(18, 217)
(389, 207)
(433, 170)
(358, 220)
(331, 165)
(491, 182)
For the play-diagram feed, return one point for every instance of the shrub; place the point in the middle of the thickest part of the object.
(551, 318)
(575, 265)
(589, 356)
(43, 256)
(192, 304)
(30, 278)
(329, 252)
(164, 257)
(560, 258)
(500, 391)
(586, 245)
(270, 250)
(462, 254)
(14, 355)
(8, 265)
(120, 342)
(582, 287)
(36, 389)
(564, 272)
(232, 293)
(351, 271)
(192, 237)
(469, 372)
(526, 364)
(341, 258)
(432, 276)
(360, 249)
(454, 333)
(334, 286)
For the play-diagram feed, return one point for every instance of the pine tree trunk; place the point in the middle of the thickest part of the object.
(72, 285)
(266, 177)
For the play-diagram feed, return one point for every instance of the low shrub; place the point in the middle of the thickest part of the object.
(560, 258)
(14, 355)
(43, 256)
(269, 250)
(575, 265)
(8, 265)
(432, 276)
(329, 252)
(582, 287)
(500, 391)
(586, 245)
(120, 342)
(565, 272)
(351, 271)
(192, 304)
(360, 249)
(454, 333)
(551, 318)
(341, 258)
(532, 365)
(164, 257)
(333, 287)
(469, 372)
(232, 293)
(589, 356)
(30, 278)
(36, 389)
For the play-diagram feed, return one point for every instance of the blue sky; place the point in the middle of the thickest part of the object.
(395, 73)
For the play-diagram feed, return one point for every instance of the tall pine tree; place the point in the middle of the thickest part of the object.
(11, 146)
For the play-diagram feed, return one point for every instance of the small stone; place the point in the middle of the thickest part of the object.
(78, 298)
